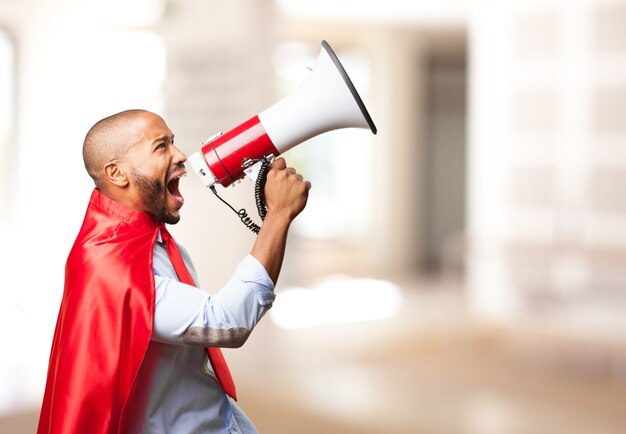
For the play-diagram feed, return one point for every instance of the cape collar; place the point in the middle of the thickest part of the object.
(121, 212)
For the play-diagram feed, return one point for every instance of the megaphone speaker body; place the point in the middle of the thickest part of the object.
(325, 101)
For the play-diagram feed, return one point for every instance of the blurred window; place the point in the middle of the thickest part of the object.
(338, 163)
(7, 117)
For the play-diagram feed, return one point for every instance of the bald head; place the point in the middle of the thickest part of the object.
(106, 141)
(132, 159)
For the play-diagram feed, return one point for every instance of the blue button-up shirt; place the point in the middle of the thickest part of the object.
(177, 391)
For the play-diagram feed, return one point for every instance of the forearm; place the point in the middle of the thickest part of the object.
(286, 194)
(189, 315)
(269, 247)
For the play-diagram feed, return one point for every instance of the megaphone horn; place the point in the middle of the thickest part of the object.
(325, 101)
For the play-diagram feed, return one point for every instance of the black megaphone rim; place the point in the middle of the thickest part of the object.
(348, 82)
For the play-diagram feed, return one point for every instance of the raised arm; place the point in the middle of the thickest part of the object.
(286, 194)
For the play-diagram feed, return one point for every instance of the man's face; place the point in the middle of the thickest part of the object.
(155, 166)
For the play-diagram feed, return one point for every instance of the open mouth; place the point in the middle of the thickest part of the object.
(173, 190)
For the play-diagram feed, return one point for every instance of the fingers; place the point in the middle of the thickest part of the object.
(286, 191)
(291, 172)
(307, 183)
(279, 164)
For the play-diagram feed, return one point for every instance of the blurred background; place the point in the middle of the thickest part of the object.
(463, 271)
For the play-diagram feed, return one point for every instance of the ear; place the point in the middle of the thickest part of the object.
(115, 174)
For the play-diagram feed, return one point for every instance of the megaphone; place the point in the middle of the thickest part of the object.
(325, 101)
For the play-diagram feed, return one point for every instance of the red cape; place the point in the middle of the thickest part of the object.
(105, 321)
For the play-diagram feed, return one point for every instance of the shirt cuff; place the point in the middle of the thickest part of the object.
(252, 272)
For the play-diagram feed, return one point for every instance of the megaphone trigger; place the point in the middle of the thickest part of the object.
(252, 167)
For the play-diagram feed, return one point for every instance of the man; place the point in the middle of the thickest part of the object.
(129, 348)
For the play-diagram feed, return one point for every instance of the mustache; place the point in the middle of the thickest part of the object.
(176, 168)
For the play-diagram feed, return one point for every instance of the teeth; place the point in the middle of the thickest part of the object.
(178, 176)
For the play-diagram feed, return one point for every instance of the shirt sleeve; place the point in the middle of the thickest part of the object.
(185, 314)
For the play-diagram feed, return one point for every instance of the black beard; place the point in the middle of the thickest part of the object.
(154, 198)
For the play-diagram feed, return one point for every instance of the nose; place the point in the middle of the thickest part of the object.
(177, 155)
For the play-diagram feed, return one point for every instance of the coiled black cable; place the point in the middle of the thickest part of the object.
(259, 197)
(259, 187)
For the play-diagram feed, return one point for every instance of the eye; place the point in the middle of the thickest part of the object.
(160, 146)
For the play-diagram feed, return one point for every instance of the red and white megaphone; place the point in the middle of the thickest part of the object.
(325, 101)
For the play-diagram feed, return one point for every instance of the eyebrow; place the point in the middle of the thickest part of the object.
(164, 137)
